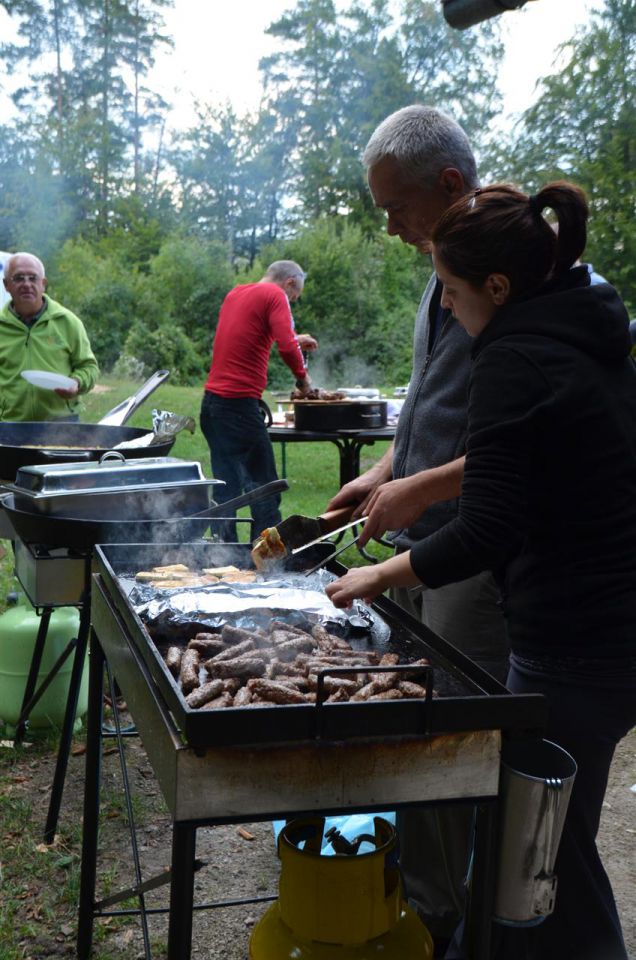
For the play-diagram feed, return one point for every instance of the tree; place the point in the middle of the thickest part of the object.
(338, 74)
(583, 127)
(86, 114)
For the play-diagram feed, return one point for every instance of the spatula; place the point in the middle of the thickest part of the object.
(297, 531)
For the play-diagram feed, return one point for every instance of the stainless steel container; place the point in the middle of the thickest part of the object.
(113, 487)
(536, 783)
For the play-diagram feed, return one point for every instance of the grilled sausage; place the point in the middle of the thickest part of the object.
(219, 703)
(173, 659)
(244, 667)
(275, 692)
(410, 689)
(242, 697)
(208, 644)
(201, 695)
(231, 653)
(189, 670)
(234, 635)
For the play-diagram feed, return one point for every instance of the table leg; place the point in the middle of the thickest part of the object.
(91, 801)
(181, 891)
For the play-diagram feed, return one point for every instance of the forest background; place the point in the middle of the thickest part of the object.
(144, 228)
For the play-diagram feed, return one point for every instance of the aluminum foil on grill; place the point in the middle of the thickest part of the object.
(251, 605)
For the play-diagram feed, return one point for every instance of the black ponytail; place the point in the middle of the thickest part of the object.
(498, 229)
(571, 209)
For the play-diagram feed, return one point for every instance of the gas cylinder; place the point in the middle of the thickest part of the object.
(18, 632)
(343, 907)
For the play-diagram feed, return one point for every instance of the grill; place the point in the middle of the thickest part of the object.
(54, 550)
(228, 765)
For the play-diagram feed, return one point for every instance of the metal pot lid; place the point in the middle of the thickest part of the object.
(109, 473)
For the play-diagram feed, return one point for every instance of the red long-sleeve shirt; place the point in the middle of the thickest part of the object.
(253, 316)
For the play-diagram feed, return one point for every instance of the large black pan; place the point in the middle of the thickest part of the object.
(82, 534)
(26, 443)
(29, 442)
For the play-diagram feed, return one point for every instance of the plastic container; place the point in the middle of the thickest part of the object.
(18, 632)
(536, 784)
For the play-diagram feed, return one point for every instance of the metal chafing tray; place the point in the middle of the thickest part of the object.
(113, 486)
(467, 697)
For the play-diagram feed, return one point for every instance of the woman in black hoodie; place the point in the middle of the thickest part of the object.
(548, 502)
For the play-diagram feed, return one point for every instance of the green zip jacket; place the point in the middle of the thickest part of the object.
(58, 342)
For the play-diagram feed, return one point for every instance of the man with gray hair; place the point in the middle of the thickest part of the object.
(419, 162)
(252, 318)
(36, 333)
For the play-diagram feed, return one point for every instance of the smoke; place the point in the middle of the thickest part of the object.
(330, 368)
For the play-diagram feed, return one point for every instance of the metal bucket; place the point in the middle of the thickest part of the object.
(536, 783)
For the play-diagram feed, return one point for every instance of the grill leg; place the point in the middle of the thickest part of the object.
(66, 737)
(481, 891)
(184, 838)
(91, 801)
(34, 669)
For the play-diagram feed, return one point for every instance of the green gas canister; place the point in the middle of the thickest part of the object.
(18, 633)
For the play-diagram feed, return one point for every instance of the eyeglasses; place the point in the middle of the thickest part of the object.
(24, 278)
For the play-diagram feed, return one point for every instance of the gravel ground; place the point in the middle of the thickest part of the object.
(246, 866)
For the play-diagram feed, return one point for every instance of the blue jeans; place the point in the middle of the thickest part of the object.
(241, 455)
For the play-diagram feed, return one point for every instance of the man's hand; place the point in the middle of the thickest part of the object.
(307, 342)
(303, 386)
(396, 505)
(360, 490)
(70, 393)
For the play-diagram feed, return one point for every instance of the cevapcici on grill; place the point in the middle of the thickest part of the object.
(254, 667)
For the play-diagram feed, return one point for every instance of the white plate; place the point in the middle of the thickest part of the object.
(48, 380)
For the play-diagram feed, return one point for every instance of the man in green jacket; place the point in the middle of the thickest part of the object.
(36, 333)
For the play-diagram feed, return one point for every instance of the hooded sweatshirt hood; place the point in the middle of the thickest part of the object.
(590, 317)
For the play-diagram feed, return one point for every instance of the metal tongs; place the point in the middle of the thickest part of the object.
(326, 536)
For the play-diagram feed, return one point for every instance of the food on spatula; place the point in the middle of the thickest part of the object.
(268, 548)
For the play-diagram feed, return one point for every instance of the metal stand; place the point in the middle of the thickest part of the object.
(184, 863)
(32, 695)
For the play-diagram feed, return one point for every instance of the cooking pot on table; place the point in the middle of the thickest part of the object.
(328, 416)
(32, 441)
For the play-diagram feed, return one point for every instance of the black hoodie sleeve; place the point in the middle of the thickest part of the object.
(509, 397)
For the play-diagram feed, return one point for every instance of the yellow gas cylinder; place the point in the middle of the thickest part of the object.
(343, 907)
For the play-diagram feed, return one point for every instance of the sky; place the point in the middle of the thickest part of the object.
(216, 54)
(218, 44)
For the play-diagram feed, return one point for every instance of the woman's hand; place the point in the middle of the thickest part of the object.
(367, 583)
(360, 583)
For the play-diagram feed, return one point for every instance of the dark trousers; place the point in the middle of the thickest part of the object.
(241, 455)
(587, 716)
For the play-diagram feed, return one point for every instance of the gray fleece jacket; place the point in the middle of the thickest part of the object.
(431, 430)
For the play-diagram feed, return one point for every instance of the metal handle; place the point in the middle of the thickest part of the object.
(554, 787)
(77, 455)
(253, 496)
(118, 416)
(112, 455)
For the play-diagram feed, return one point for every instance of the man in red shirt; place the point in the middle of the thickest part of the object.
(253, 316)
